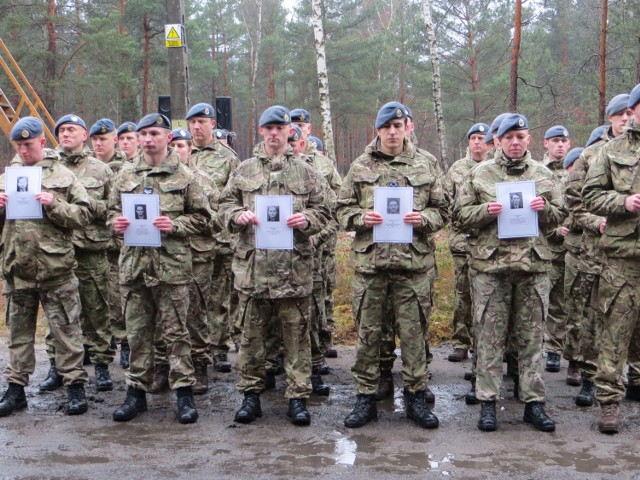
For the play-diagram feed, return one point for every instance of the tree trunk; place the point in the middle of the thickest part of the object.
(602, 87)
(323, 79)
(437, 90)
(254, 34)
(146, 27)
(515, 55)
(473, 61)
(50, 91)
(79, 67)
(178, 69)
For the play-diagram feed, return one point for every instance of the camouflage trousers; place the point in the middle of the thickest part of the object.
(259, 316)
(197, 323)
(556, 322)
(411, 294)
(516, 300)
(462, 319)
(329, 279)
(116, 314)
(93, 276)
(162, 307)
(61, 307)
(223, 304)
(388, 343)
(619, 331)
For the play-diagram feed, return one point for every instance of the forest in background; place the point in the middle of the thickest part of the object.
(106, 58)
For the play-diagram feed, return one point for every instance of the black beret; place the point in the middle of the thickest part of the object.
(154, 120)
(104, 125)
(74, 119)
(201, 110)
(26, 128)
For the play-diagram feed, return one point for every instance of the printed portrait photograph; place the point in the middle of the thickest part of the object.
(393, 206)
(141, 212)
(273, 213)
(516, 200)
(22, 184)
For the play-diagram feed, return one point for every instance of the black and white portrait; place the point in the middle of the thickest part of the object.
(516, 200)
(22, 184)
(141, 212)
(273, 213)
(393, 206)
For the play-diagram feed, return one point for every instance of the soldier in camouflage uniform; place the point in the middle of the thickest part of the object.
(127, 140)
(218, 161)
(463, 338)
(609, 191)
(274, 285)
(38, 267)
(557, 142)
(156, 280)
(509, 277)
(385, 270)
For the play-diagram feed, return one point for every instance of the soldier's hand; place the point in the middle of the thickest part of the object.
(537, 204)
(413, 218)
(297, 220)
(3, 199)
(372, 218)
(494, 209)
(564, 231)
(164, 224)
(120, 224)
(247, 218)
(45, 198)
(602, 225)
(632, 203)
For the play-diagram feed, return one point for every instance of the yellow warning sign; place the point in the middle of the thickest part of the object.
(173, 35)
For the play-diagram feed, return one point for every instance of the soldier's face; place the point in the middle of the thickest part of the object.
(71, 137)
(182, 148)
(275, 137)
(477, 147)
(201, 130)
(31, 150)
(154, 140)
(104, 145)
(305, 127)
(557, 147)
(128, 143)
(392, 136)
(298, 146)
(514, 143)
(619, 120)
(410, 128)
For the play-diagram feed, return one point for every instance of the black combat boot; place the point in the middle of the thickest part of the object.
(250, 409)
(53, 380)
(124, 355)
(418, 411)
(187, 412)
(633, 392)
(470, 398)
(134, 403)
(103, 379)
(317, 385)
(270, 380)
(298, 412)
(364, 411)
(324, 369)
(385, 385)
(329, 350)
(221, 363)
(202, 379)
(587, 395)
(86, 359)
(12, 400)
(534, 414)
(488, 421)
(76, 399)
(553, 362)
(160, 379)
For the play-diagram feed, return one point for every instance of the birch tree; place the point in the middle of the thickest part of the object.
(515, 55)
(254, 36)
(323, 79)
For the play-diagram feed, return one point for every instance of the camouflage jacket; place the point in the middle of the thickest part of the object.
(555, 237)
(117, 161)
(612, 177)
(94, 175)
(377, 169)
(458, 241)
(39, 253)
(275, 273)
(490, 254)
(203, 244)
(182, 199)
(217, 161)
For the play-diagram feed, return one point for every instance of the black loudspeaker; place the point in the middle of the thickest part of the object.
(164, 105)
(223, 113)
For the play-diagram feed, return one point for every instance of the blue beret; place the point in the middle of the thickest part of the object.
(74, 119)
(409, 113)
(495, 125)
(557, 131)
(513, 121)
(317, 142)
(220, 133)
(296, 134)
(596, 135)
(634, 97)
(276, 114)
(617, 104)
(104, 125)
(154, 120)
(201, 110)
(481, 128)
(181, 134)
(25, 128)
(390, 111)
(127, 127)
(300, 115)
(571, 157)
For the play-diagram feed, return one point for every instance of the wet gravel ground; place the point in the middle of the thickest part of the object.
(41, 442)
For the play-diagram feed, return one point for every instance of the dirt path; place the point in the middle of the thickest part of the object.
(42, 442)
